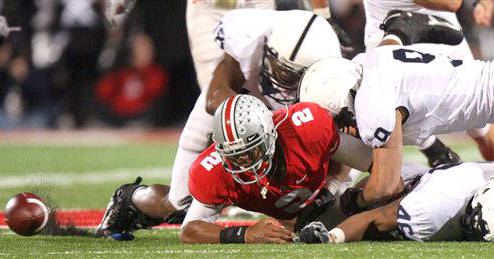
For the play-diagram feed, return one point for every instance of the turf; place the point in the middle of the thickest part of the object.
(28, 160)
(165, 244)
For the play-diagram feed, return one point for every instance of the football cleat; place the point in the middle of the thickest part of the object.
(414, 28)
(122, 217)
(439, 154)
(323, 201)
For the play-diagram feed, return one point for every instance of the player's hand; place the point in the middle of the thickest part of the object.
(116, 10)
(268, 231)
(482, 12)
(4, 27)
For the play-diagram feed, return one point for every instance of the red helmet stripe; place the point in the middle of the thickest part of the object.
(228, 123)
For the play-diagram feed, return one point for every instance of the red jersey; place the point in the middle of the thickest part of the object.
(308, 138)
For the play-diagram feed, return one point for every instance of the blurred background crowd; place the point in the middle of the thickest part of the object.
(67, 69)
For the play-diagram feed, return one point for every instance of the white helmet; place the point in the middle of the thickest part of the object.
(332, 83)
(294, 44)
(245, 137)
(480, 214)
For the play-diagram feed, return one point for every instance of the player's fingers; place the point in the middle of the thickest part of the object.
(275, 240)
(279, 233)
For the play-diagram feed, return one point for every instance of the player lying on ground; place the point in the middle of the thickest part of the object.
(395, 95)
(273, 163)
(451, 202)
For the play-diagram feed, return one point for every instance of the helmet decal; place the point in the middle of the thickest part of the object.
(302, 37)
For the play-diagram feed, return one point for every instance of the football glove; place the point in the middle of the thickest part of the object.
(314, 232)
(474, 227)
(323, 201)
(122, 217)
(414, 28)
(348, 201)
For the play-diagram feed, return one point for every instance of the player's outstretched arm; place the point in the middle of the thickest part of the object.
(384, 181)
(382, 218)
(441, 5)
(227, 78)
(265, 231)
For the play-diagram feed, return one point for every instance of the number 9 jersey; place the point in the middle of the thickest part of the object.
(306, 139)
(439, 94)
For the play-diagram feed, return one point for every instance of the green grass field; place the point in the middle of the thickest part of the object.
(84, 176)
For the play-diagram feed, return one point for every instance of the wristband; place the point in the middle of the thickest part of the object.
(336, 236)
(233, 235)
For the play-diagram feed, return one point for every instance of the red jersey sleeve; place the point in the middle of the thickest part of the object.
(209, 183)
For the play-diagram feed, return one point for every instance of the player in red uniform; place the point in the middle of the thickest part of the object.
(277, 170)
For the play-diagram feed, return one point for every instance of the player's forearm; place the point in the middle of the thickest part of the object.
(384, 181)
(383, 219)
(200, 232)
(440, 5)
(227, 77)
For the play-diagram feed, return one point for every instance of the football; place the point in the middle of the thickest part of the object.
(26, 214)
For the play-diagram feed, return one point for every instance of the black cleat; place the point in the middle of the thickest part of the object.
(439, 154)
(414, 28)
(122, 216)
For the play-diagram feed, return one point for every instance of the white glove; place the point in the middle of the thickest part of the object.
(117, 10)
(4, 27)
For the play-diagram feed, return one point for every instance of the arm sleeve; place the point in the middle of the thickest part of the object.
(200, 211)
(375, 110)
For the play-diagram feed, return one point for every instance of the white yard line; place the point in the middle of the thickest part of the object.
(69, 178)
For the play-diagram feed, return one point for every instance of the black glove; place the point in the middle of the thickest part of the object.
(314, 232)
(414, 28)
(323, 201)
(474, 227)
(348, 201)
(122, 216)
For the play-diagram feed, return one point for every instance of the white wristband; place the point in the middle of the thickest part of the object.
(393, 37)
(323, 12)
(336, 236)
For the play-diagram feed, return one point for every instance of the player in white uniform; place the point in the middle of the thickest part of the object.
(441, 206)
(403, 95)
(376, 11)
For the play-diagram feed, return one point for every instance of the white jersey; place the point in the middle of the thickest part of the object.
(441, 95)
(242, 33)
(433, 209)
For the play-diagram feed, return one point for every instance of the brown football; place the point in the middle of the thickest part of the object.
(26, 214)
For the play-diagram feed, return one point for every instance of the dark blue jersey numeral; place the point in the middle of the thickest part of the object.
(405, 228)
(412, 56)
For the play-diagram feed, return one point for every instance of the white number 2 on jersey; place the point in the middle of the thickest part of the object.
(211, 161)
(302, 116)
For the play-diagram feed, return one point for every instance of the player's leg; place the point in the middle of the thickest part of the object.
(155, 200)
